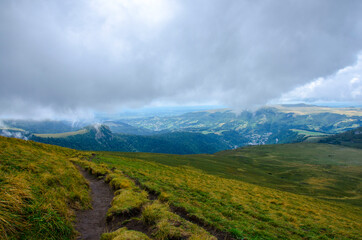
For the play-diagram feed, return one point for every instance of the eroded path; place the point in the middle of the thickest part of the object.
(92, 223)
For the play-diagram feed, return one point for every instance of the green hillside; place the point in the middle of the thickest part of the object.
(318, 170)
(242, 209)
(352, 138)
(100, 138)
(194, 132)
(286, 191)
(39, 190)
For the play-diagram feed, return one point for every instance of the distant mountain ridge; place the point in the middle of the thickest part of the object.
(124, 128)
(268, 125)
(194, 132)
(100, 138)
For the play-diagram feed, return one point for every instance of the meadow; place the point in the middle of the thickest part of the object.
(324, 171)
(242, 209)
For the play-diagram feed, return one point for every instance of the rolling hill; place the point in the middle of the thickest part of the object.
(267, 125)
(318, 170)
(328, 206)
(352, 138)
(195, 132)
(100, 138)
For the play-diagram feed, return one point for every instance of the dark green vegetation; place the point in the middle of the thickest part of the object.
(100, 138)
(39, 189)
(352, 138)
(253, 211)
(194, 132)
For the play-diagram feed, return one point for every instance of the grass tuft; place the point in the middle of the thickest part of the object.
(124, 234)
(127, 200)
(168, 225)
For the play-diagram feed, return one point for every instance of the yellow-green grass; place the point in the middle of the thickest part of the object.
(243, 209)
(118, 181)
(163, 223)
(124, 234)
(168, 225)
(127, 200)
(99, 170)
(39, 190)
(62, 135)
(286, 167)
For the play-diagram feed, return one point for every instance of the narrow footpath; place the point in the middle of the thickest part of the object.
(92, 223)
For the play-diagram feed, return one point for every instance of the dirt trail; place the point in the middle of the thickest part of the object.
(220, 235)
(92, 223)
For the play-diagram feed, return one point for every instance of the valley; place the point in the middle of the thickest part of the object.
(194, 132)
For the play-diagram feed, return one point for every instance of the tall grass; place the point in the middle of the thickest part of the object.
(39, 190)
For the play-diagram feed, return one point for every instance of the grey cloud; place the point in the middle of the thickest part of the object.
(7, 133)
(75, 56)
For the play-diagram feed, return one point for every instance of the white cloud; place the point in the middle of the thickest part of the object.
(344, 86)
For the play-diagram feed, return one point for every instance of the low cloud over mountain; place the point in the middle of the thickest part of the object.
(70, 58)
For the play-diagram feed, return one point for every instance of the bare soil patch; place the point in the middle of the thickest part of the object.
(92, 223)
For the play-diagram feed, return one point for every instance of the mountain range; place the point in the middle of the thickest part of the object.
(194, 132)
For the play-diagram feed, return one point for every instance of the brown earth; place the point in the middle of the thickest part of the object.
(92, 223)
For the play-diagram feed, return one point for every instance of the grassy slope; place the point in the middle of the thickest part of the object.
(243, 209)
(319, 170)
(39, 188)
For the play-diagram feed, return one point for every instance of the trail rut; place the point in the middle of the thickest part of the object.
(92, 223)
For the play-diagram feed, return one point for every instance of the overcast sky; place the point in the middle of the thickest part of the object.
(74, 58)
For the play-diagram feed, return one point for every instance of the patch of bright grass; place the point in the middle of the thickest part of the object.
(124, 234)
(168, 225)
(121, 182)
(127, 200)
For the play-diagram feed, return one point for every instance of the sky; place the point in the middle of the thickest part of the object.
(72, 59)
